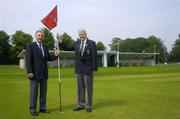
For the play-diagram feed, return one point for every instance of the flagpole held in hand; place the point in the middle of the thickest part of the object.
(59, 76)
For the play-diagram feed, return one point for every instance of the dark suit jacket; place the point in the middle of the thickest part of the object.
(35, 62)
(88, 62)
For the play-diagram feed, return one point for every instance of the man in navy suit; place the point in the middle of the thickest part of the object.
(36, 56)
(85, 65)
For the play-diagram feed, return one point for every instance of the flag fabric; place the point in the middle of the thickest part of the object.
(50, 21)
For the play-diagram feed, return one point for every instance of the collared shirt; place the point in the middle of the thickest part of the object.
(41, 47)
(84, 45)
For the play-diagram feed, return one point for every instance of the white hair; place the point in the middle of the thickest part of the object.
(82, 30)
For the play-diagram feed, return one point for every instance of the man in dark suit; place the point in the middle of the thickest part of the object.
(36, 56)
(85, 65)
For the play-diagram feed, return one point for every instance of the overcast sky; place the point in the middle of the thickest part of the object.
(103, 19)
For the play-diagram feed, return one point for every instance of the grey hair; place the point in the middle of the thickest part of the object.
(82, 30)
(39, 31)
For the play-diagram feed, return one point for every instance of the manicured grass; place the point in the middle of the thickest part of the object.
(119, 93)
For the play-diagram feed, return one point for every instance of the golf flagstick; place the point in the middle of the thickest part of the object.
(50, 21)
(59, 76)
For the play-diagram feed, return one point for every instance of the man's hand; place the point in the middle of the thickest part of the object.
(58, 37)
(30, 75)
(56, 52)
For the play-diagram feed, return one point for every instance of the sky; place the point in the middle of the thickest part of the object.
(102, 19)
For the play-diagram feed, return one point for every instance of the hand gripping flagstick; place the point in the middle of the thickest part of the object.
(59, 76)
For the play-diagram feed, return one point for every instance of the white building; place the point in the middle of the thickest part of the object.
(105, 59)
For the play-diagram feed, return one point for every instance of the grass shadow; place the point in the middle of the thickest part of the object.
(98, 104)
(64, 107)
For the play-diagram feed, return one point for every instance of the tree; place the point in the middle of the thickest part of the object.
(140, 44)
(48, 38)
(5, 48)
(19, 41)
(66, 39)
(133, 45)
(100, 46)
(157, 45)
(115, 44)
(175, 53)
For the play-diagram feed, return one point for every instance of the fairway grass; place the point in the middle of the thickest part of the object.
(119, 93)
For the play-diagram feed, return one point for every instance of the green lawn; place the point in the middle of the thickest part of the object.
(119, 93)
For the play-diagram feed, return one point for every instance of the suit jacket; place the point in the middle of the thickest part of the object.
(87, 63)
(35, 62)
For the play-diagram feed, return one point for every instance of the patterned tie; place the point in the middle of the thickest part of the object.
(81, 48)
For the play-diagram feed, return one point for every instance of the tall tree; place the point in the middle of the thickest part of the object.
(66, 39)
(19, 41)
(175, 53)
(5, 48)
(140, 44)
(157, 44)
(100, 46)
(115, 43)
(133, 45)
(48, 38)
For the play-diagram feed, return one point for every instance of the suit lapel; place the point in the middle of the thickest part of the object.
(78, 47)
(87, 43)
(45, 50)
(86, 46)
(38, 49)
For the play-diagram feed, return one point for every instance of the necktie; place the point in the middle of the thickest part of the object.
(81, 48)
(41, 48)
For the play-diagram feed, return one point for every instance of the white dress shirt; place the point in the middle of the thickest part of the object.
(41, 47)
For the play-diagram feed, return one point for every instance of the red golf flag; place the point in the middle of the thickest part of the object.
(50, 21)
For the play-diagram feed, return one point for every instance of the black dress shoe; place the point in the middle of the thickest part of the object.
(34, 113)
(88, 109)
(44, 111)
(78, 108)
